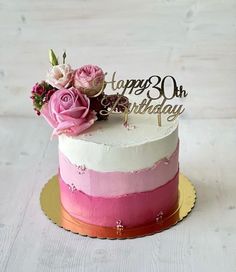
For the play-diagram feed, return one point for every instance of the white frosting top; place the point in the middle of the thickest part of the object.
(110, 146)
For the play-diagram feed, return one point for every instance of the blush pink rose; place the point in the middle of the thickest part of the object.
(68, 111)
(60, 76)
(89, 79)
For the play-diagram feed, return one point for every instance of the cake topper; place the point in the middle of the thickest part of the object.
(154, 88)
(71, 100)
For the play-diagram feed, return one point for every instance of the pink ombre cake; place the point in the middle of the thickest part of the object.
(120, 175)
(118, 160)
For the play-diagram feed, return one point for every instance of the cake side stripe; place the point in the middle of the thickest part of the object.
(105, 158)
(132, 210)
(95, 183)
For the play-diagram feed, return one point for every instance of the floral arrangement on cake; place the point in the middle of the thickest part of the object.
(72, 100)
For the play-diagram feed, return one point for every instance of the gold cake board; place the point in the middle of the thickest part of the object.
(51, 206)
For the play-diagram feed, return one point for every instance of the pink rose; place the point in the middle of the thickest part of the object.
(68, 111)
(60, 76)
(89, 79)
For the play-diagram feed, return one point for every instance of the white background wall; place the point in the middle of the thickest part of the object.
(193, 40)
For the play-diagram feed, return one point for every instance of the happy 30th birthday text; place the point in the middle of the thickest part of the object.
(157, 96)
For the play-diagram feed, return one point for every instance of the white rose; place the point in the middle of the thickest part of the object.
(60, 76)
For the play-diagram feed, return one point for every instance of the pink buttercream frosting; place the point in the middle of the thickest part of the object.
(107, 184)
(130, 210)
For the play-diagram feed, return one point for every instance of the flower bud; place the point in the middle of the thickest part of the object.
(52, 58)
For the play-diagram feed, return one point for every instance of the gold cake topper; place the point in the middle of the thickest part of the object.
(155, 102)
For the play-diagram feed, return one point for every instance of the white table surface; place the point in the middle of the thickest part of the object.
(204, 241)
(193, 40)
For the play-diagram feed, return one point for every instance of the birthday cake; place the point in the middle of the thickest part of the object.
(117, 168)
(120, 176)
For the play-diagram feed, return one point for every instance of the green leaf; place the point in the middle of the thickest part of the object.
(52, 58)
